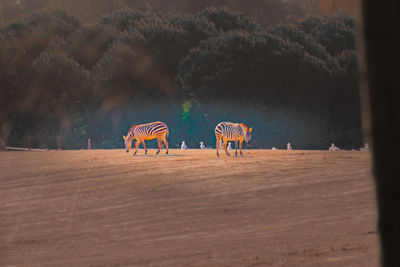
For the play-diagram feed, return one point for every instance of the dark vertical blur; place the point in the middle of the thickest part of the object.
(382, 45)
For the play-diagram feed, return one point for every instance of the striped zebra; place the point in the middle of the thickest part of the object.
(148, 131)
(229, 131)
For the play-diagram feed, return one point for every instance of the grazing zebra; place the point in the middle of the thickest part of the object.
(228, 131)
(147, 131)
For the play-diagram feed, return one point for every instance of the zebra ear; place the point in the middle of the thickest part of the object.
(124, 137)
(250, 130)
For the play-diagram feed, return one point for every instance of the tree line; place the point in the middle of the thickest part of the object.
(264, 12)
(294, 82)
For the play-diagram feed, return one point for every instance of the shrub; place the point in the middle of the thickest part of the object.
(121, 21)
(225, 19)
(60, 83)
(336, 33)
(239, 65)
(88, 44)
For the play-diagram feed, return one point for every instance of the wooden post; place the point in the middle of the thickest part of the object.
(88, 144)
(59, 142)
(29, 142)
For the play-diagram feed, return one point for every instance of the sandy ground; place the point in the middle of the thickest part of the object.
(189, 208)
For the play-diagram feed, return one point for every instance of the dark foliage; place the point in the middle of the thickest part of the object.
(122, 21)
(293, 83)
(265, 12)
(225, 20)
(335, 33)
(87, 45)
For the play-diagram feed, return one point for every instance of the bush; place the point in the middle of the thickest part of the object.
(20, 44)
(145, 59)
(121, 21)
(59, 84)
(56, 94)
(238, 65)
(87, 45)
(124, 74)
(56, 23)
(225, 19)
(336, 33)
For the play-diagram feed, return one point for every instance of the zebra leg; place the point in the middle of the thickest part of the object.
(165, 143)
(159, 146)
(218, 143)
(240, 149)
(137, 143)
(236, 145)
(145, 148)
(224, 146)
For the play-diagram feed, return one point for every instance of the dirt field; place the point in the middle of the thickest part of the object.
(189, 208)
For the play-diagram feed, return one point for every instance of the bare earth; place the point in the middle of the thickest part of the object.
(189, 208)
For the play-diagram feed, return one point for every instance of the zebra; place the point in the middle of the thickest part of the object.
(144, 132)
(229, 131)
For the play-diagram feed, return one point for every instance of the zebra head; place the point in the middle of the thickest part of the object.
(247, 138)
(128, 143)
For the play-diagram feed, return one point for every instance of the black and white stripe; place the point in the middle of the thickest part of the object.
(229, 131)
(147, 131)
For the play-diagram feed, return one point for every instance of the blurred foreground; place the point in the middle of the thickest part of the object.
(105, 207)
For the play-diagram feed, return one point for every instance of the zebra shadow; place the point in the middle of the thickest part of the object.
(158, 156)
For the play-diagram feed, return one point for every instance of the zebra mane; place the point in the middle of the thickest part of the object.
(133, 127)
(244, 126)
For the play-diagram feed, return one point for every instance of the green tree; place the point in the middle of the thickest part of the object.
(122, 21)
(335, 33)
(88, 44)
(225, 19)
